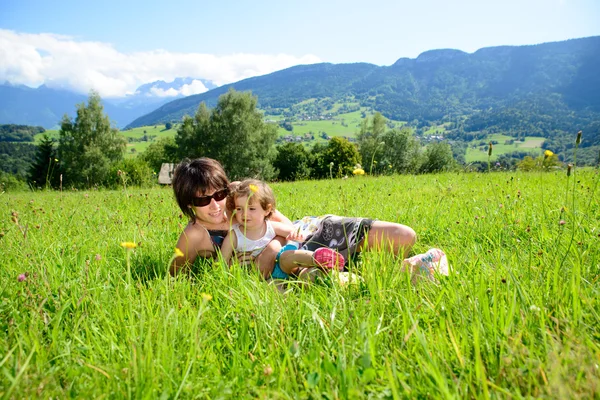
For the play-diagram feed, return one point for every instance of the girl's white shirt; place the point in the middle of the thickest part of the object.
(255, 246)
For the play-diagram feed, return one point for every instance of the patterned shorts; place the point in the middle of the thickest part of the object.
(343, 234)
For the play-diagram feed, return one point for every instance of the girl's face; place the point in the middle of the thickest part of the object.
(214, 212)
(250, 214)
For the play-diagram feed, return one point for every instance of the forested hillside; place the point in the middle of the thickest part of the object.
(539, 90)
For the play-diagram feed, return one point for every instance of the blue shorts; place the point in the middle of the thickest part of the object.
(277, 271)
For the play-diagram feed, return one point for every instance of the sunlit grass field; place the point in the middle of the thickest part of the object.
(80, 316)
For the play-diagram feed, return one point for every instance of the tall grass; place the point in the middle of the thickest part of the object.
(519, 318)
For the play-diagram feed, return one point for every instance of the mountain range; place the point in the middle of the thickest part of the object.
(45, 106)
(534, 90)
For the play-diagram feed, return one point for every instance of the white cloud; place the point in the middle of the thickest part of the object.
(62, 61)
(195, 87)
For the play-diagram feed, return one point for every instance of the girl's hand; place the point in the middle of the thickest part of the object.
(244, 257)
(295, 236)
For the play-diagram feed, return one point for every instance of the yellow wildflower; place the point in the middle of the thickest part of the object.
(128, 245)
(253, 188)
(358, 171)
(206, 297)
(178, 252)
(548, 153)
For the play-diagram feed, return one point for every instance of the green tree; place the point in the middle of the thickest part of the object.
(550, 162)
(233, 133)
(162, 151)
(44, 169)
(292, 162)
(168, 125)
(88, 145)
(339, 156)
(131, 172)
(371, 141)
(438, 157)
(400, 146)
(527, 164)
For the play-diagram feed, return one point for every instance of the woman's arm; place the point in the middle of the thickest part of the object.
(229, 244)
(193, 242)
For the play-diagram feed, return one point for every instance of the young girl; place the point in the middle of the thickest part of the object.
(201, 187)
(252, 203)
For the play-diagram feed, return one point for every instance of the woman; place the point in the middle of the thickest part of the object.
(201, 188)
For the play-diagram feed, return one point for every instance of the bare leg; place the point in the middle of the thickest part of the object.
(388, 235)
(266, 259)
(324, 258)
(289, 261)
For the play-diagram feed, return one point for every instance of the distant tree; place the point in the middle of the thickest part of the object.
(134, 171)
(16, 158)
(292, 162)
(162, 151)
(437, 157)
(88, 145)
(19, 133)
(168, 125)
(287, 126)
(370, 140)
(10, 182)
(44, 169)
(339, 151)
(400, 146)
(233, 133)
(527, 164)
(550, 162)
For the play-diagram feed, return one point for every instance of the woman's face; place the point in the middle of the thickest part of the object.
(214, 212)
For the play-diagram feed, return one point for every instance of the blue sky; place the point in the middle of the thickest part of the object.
(246, 38)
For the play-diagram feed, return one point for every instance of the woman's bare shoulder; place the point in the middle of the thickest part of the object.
(197, 237)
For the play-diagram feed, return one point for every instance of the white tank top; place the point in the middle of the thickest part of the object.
(255, 246)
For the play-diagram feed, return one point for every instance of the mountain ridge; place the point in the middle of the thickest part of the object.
(437, 86)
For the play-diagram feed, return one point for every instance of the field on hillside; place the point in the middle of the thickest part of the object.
(83, 317)
(347, 124)
(151, 134)
(477, 150)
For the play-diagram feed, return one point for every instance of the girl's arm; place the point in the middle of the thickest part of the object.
(287, 231)
(282, 229)
(279, 217)
(228, 246)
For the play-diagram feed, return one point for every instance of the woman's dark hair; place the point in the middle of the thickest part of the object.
(193, 176)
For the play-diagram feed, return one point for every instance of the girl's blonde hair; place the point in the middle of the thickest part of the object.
(254, 189)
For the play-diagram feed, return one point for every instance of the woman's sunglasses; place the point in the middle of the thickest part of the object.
(203, 201)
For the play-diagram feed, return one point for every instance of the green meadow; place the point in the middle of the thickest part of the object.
(519, 317)
(478, 151)
(133, 148)
(347, 124)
